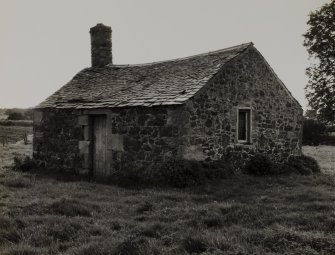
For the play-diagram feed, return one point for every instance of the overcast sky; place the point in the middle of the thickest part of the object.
(43, 43)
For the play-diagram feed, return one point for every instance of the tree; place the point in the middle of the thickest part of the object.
(310, 115)
(312, 132)
(14, 115)
(19, 114)
(320, 44)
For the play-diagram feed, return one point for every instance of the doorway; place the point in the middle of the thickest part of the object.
(99, 147)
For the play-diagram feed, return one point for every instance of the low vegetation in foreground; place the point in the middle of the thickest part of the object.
(285, 214)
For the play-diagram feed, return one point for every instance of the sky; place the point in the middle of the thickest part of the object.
(44, 43)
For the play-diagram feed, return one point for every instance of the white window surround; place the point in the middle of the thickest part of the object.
(248, 121)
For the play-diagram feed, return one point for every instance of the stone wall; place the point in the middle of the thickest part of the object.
(150, 135)
(140, 135)
(202, 129)
(246, 81)
(56, 136)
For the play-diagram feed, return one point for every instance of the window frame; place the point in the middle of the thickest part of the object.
(248, 136)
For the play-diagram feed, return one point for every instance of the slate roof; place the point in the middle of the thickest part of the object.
(161, 83)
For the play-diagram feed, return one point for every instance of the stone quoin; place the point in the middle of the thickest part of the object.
(194, 108)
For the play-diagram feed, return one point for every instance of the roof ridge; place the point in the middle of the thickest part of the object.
(183, 58)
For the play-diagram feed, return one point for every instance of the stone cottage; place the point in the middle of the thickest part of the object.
(109, 116)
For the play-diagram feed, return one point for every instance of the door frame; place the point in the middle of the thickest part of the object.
(93, 147)
(92, 113)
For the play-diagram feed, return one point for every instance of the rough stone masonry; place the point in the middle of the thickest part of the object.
(186, 108)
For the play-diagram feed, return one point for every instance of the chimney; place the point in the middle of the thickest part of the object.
(101, 45)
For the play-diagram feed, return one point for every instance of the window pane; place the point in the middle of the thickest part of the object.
(242, 125)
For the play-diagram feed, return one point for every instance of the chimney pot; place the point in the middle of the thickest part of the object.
(101, 45)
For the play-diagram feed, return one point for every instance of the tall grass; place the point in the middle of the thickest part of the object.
(289, 214)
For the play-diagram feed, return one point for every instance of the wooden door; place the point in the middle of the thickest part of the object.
(99, 146)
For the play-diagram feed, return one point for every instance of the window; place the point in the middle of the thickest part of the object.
(244, 126)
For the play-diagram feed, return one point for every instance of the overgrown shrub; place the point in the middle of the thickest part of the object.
(303, 164)
(182, 173)
(313, 132)
(24, 164)
(128, 176)
(217, 169)
(19, 114)
(327, 140)
(259, 164)
(15, 116)
(178, 173)
(282, 168)
(235, 159)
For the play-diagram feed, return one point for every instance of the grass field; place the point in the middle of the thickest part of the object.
(324, 154)
(44, 214)
(14, 133)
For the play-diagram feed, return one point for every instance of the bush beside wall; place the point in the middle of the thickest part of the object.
(176, 173)
(261, 164)
(304, 164)
(313, 132)
(182, 173)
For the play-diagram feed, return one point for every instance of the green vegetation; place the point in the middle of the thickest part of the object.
(320, 41)
(181, 173)
(243, 214)
(19, 114)
(261, 165)
(325, 156)
(20, 123)
(315, 133)
(14, 133)
(190, 173)
(303, 164)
